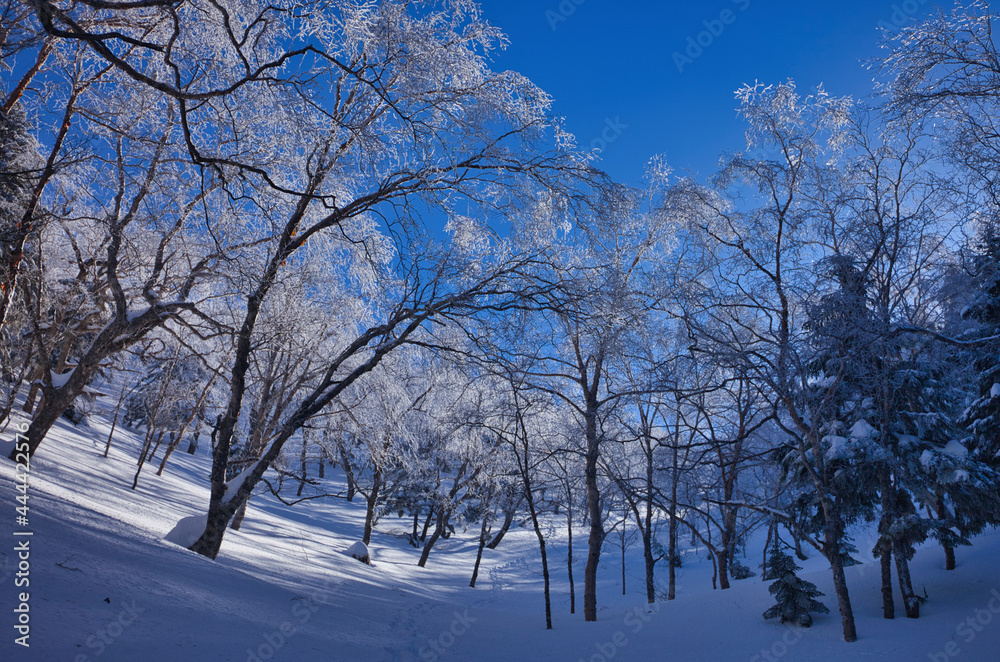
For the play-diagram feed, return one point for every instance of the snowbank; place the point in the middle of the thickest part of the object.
(186, 531)
(359, 551)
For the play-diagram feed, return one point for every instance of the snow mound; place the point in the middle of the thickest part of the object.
(359, 551)
(186, 531)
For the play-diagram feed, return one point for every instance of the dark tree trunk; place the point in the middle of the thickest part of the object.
(911, 603)
(596, 538)
(545, 578)
(371, 505)
(442, 522)
(832, 534)
(241, 512)
(885, 569)
(348, 471)
(210, 541)
(111, 434)
(29, 400)
(569, 556)
(536, 525)
(193, 444)
(143, 457)
(175, 440)
(949, 557)
(623, 558)
(647, 529)
(156, 446)
(508, 519)
(771, 530)
(722, 556)
(949, 551)
(483, 534)
(797, 543)
(672, 547)
(884, 547)
(302, 464)
(427, 523)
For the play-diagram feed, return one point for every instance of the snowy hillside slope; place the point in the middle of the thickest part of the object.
(104, 585)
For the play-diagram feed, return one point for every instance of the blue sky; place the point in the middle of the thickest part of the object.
(611, 65)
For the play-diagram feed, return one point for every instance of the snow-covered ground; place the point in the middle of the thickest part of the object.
(104, 585)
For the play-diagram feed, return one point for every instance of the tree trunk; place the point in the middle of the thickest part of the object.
(210, 541)
(541, 543)
(302, 462)
(111, 434)
(175, 441)
(371, 505)
(911, 603)
(623, 558)
(771, 531)
(348, 471)
(647, 530)
(508, 519)
(193, 444)
(483, 534)
(156, 446)
(797, 542)
(885, 544)
(45, 417)
(949, 557)
(832, 549)
(569, 557)
(545, 577)
(442, 522)
(722, 557)
(672, 551)
(885, 569)
(29, 400)
(728, 542)
(143, 455)
(596, 538)
(241, 512)
(427, 523)
(949, 551)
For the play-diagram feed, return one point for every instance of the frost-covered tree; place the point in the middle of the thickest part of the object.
(417, 118)
(761, 251)
(612, 273)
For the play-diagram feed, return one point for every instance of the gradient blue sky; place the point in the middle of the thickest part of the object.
(614, 59)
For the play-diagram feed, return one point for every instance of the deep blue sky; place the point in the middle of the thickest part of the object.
(614, 59)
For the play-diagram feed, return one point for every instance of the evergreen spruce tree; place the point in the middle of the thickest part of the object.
(796, 597)
(982, 418)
